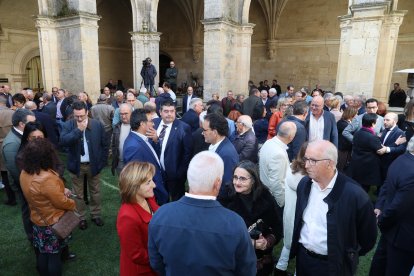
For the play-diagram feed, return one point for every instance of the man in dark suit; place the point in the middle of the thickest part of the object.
(191, 117)
(391, 138)
(137, 147)
(197, 235)
(395, 212)
(187, 99)
(175, 149)
(334, 222)
(48, 123)
(49, 107)
(253, 105)
(215, 130)
(321, 124)
(87, 156)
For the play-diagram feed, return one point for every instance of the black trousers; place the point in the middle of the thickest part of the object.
(11, 197)
(389, 260)
(310, 266)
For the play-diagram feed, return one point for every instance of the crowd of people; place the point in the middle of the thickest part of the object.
(212, 188)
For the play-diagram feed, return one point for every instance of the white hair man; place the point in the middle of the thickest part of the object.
(245, 141)
(395, 213)
(119, 135)
(274, 161)
(200, 227)
(335, 221)
(191, 117)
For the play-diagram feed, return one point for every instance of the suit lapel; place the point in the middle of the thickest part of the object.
(147, 149)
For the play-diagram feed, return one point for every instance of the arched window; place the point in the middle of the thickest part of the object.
(34, 74)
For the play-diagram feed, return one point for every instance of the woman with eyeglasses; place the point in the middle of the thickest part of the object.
(248, 197)
(138, 205)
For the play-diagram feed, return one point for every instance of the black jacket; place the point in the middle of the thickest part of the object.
(264, 207)
(246, 146)
(365, 166)
(192, 119)
(98, 146)
(343, 143)
(351, 223)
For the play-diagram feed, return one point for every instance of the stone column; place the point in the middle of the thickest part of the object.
(68, 42)
(145, 44)
(226, 56)
(49, 48)
(367, 48)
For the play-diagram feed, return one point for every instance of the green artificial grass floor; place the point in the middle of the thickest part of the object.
(97, 248)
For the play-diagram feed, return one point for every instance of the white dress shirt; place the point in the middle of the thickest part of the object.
(314, 232)
(188, 102)
(165, 139)
(85, 158)
(123, 134)
(316, 127)
(204, 197)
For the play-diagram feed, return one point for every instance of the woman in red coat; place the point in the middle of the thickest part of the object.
(138, 205)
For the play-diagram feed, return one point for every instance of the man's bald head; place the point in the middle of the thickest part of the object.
(286, 132)
(30, 105)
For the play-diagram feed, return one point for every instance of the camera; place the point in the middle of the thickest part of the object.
(255, 230)
(146, 62)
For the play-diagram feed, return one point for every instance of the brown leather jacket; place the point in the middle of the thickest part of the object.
(45, 194)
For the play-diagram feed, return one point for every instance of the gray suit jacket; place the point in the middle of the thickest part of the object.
(356, 124)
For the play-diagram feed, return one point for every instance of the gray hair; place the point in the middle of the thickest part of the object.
(194, 101)
(127, 105)
(150, 106)
(286, 129)
(246, 120)
(30, 105)
(410, 145)
(47, 96)
(119, 93)
(272, 91)
(200, 179)
(20, 115)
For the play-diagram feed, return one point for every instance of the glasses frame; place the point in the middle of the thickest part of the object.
(313, 162)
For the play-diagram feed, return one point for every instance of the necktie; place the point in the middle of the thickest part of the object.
(162, 134)
(82, 147)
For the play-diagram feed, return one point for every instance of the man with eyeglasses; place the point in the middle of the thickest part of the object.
(87, 156)
(371, 106)
(335, 221)
(274, 161)
(171, 75)
(119, 135)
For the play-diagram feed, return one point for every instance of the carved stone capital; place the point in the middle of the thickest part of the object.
(271, 49)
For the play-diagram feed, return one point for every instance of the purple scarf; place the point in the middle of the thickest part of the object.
(370, 129)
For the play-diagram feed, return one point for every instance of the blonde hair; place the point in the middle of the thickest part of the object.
(133, 175)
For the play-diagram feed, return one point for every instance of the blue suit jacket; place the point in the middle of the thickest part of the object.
(230, 157)
(199, 237)
(192, 119)
(185, 100)
(395, 151)
(50, 126)
(178, 150)
(135, 149)
(330, 130)
(396, 221)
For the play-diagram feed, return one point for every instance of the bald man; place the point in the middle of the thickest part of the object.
(321, 124)
(392, 139)
(335, 221)
(274, 161)
(245, 141)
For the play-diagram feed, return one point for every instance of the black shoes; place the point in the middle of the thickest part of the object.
(98, 221)
(83, 225)
(278, 272)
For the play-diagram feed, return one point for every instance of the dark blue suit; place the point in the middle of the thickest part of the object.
(49, 125)
(300, 137)
(330, 130)
(395, 151)
(50, 109)
(395, 251)
(136, 149)
(177, 156)
(199, 237)
(230, 157)
(192, 119)
(185, 101)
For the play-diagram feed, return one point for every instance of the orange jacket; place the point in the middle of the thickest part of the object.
(45, 194)
(273, 122)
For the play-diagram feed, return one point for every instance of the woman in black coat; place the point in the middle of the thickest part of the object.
(249, 198)
(344, 146)
(365, 164)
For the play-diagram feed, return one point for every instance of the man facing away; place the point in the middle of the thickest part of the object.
(196, 235)
(334, 221)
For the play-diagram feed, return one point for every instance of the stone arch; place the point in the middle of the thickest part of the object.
(245, 11)
(23, 56)
(144, 15)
